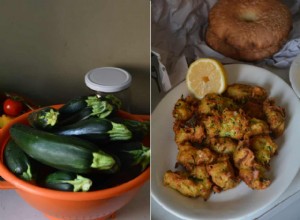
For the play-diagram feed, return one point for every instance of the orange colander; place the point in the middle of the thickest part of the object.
(99, 204)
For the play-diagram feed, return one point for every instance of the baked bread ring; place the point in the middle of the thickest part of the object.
(248, 30)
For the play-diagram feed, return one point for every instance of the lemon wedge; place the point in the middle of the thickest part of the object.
(206, 75)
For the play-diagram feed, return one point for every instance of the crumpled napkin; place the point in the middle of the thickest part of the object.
(286, 55)
(178, 29)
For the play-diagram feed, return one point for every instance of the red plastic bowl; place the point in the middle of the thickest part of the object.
(99, 204)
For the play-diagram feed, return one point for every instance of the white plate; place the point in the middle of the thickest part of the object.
(294, 75)
(240, 202)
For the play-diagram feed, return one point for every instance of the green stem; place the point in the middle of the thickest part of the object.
(102, 161)
(145, 158)
(114, 100)
(99, 108)
(50, 117)
(119, 132)
(140, 156)
(80, 183)
(27, 175)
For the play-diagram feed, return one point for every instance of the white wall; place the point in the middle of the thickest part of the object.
(47, 46)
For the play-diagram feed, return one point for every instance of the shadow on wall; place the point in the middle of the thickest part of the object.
(47, 47)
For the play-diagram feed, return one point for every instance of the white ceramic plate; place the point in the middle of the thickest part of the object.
(240, 202)
(294, 75)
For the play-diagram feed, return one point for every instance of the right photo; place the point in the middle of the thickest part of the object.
(225, 110)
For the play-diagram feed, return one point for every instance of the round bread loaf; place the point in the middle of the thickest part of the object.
(248, 30)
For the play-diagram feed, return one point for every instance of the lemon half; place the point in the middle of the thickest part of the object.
(206, 75)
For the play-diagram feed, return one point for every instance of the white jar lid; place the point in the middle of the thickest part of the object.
(108, 79)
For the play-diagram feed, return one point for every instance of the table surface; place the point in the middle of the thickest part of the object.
(286, 207)
(13, 207)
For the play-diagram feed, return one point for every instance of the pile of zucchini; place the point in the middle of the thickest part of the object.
(81, 146)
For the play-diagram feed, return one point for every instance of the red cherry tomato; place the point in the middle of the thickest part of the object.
(12, 107)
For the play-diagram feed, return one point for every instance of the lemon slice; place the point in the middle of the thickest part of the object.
(206, 75)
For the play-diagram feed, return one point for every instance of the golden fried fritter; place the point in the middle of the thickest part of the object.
(275, 117)
(186, 185)
(264, 148)
(243, 157)
(243, 93)
(214, 103)
(251, 172)
(221, 145)
(190, 156)
(185, 132)
(254, 178)
(257, 127)
(234, 124)
(199, 172)
(182, 111)
(222, 174)
(212, 125)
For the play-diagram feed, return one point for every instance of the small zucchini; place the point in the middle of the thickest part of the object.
(61, 152)
(44, 118)
(17, 161)
(131, 154)
(74, 105)
(99, 129)
(86, 106)
(67, 181)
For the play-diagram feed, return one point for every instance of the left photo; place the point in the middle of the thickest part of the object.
(75, 110)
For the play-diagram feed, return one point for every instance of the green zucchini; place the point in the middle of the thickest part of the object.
(139, 129)
(44, 118)
(17, 161)
(131, 154)
(78, 116)
(78, 103)
(74, 105)
(87, 106)
(67, 181)
(61, 152)
(98, 129)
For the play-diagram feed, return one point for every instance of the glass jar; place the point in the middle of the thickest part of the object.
(110, 80)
